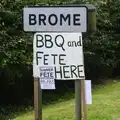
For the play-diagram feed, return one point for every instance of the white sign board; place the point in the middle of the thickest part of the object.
(63, 51)
(55, 19)
(47, 77)
(88, 91)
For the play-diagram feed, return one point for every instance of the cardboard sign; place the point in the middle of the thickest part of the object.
(63, 51)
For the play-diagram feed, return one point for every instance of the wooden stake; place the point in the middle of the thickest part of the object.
(84, 100)
(78, 100)
(37, 100)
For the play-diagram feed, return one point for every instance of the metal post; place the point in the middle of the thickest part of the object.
(37, 99)
(78, 100)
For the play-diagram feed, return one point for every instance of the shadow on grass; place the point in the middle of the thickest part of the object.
(3, 117)
(7, 117)
(11, 112)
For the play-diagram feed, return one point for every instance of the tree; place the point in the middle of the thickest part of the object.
(101, 49)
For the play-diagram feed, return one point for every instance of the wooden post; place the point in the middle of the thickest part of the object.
(84, 105)
(37, 100)
(78, 100)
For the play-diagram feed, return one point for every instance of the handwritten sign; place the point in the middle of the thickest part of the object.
(63, 51)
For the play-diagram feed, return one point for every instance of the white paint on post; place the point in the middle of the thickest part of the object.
(63, 51)
(55, 19)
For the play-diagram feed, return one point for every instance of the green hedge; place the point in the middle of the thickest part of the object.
(101, 49)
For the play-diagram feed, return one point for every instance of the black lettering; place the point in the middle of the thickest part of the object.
(65, 18)
(41, 74)
(79, 43)
(69, 44)
(45, 59)
(50, 81)
(48, 74)
(62, 42)
(60, 59)
(54, 60)
(50, 20)
(42, 19)
(76, 19)
(60, 36)
(60, 72)
(42, 81)
(48, 42)
(37, 56)
(45, 74)
(51, 75)
(39, 41)
(73, 68)
(32, 19)
(74, 44)
(65, 72)
(79, 70)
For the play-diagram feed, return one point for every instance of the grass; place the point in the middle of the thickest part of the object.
(105, 106)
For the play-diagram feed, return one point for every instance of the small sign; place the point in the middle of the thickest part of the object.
(47, 77)
(88, 91)
(63, 51)
(55, 19)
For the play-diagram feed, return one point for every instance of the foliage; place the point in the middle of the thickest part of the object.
(102, 48)
(104, 107)
(15, 50)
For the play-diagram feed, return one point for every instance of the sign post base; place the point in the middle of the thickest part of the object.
(78, 100)
(83, 92)
(37, 99)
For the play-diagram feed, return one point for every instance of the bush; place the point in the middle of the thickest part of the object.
(101, 49)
